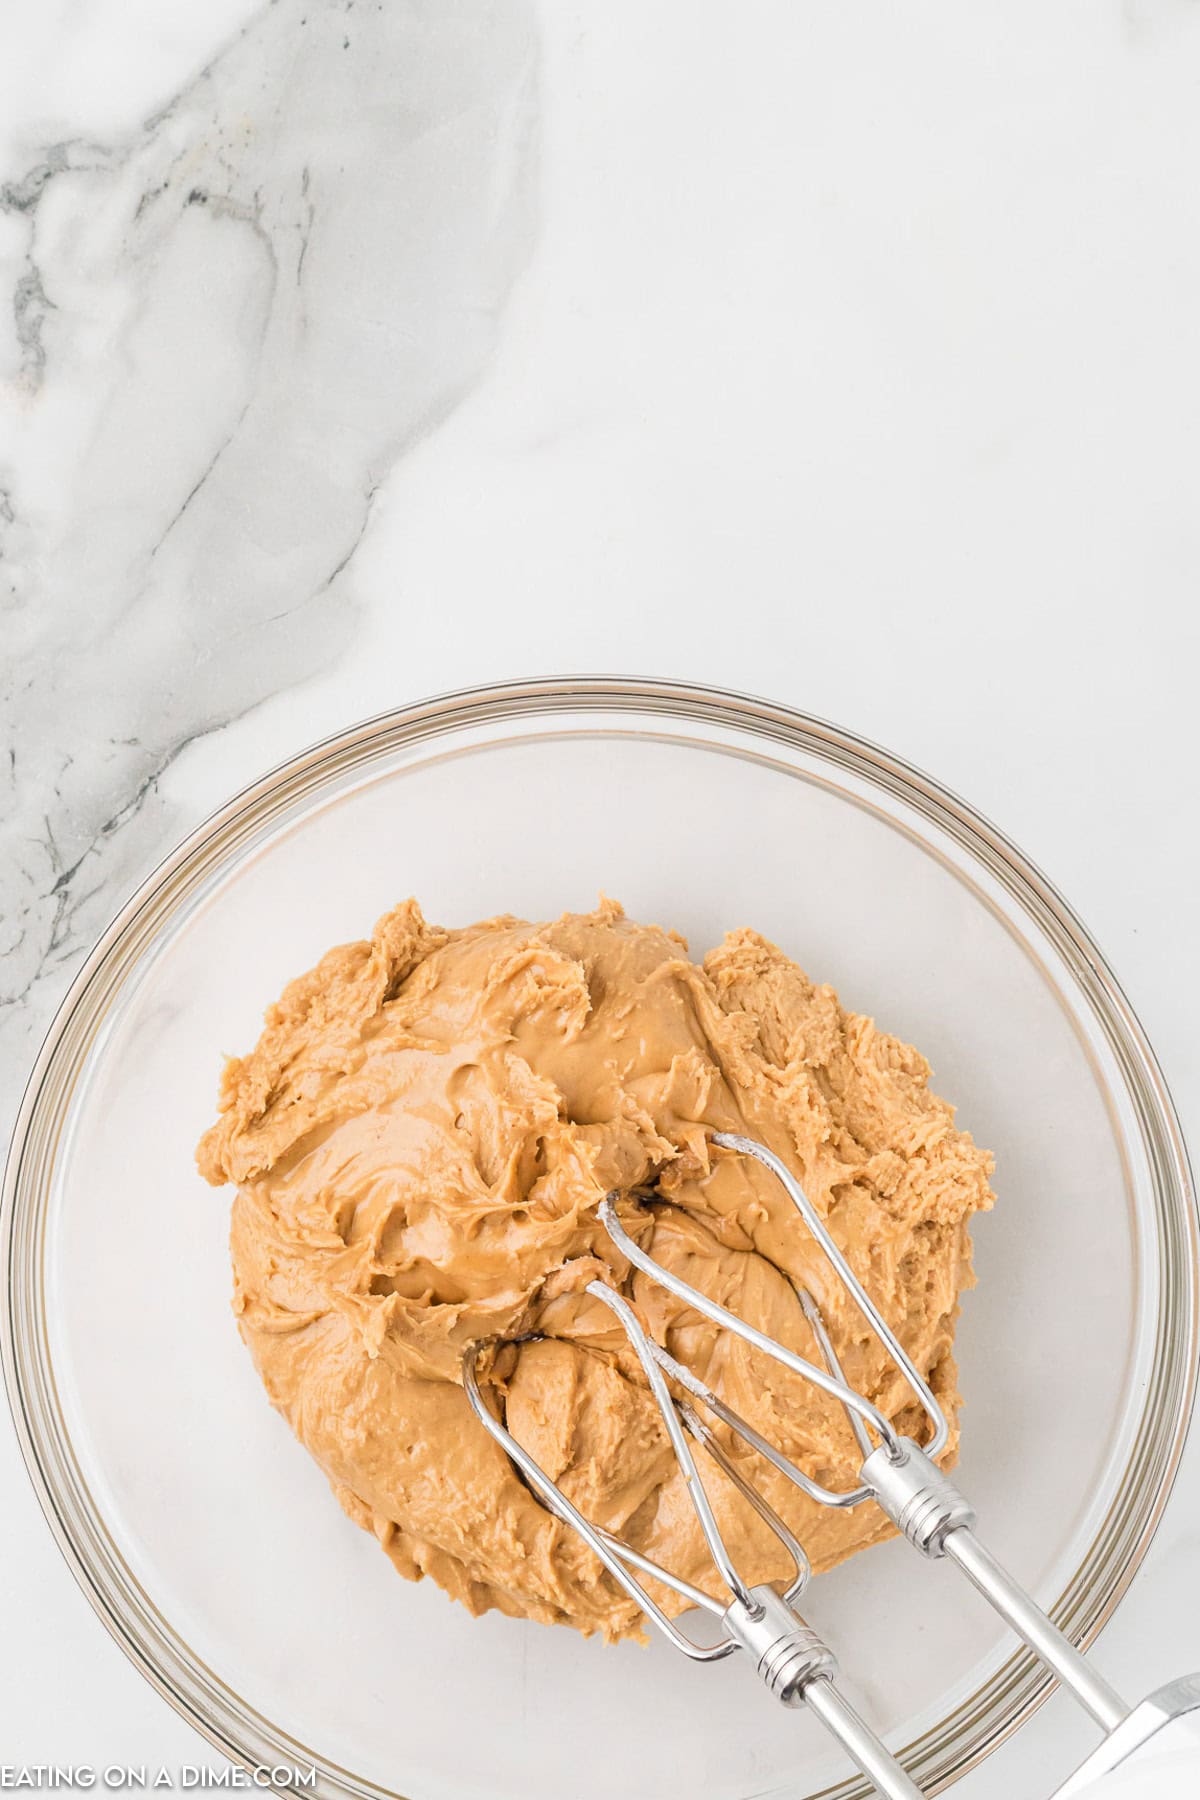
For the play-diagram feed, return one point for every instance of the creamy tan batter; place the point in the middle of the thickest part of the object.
(419, 1142)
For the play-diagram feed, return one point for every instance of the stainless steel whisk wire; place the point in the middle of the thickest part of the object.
(899, 1475)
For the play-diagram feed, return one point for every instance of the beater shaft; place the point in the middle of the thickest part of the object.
(1034, 1629)
(938, 1520)
(859, 1741)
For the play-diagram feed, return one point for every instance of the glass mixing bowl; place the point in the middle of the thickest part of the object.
(203, 1534)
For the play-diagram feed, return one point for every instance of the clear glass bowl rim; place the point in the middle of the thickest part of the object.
(975, 1728)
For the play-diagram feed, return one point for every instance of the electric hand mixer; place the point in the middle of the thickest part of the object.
(897, 1474)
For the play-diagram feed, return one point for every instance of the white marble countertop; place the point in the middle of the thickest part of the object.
(352, 352)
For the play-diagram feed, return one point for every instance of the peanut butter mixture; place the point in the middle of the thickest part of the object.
(419, 1142)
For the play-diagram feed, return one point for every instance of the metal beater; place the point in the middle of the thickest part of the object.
(897, 1474)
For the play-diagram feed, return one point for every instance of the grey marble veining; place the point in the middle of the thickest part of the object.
(228, 325)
